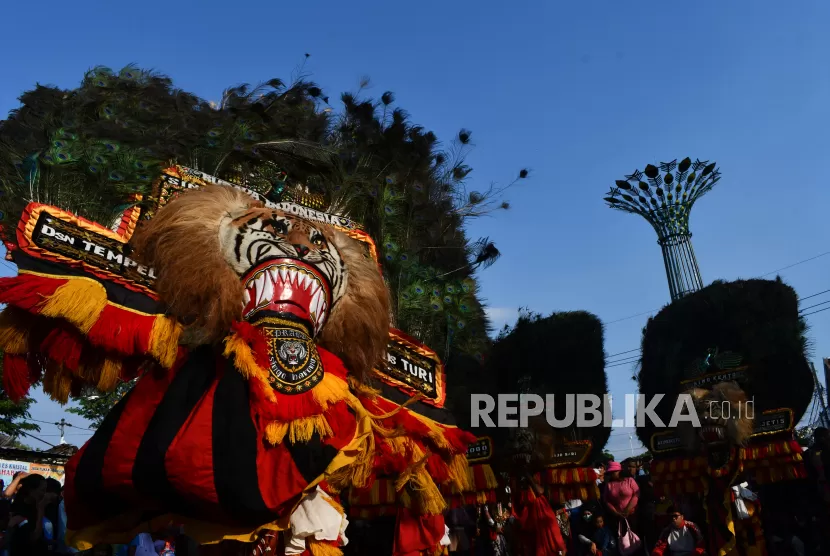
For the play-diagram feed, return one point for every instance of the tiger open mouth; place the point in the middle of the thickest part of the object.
(713, 433)
(288, 286)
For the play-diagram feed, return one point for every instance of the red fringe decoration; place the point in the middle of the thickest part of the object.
(437, 469)
(63, 347)
(16, 376)
(287, 408)
(459, 439)
(122, 331)
(28, 291)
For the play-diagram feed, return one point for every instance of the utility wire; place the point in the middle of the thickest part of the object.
(57, 423)
(814, 312)
(628, 360)
(36, 438)
(762, 276)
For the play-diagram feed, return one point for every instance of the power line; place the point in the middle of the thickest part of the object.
(814, 295)
(796, 264)
(814, 312)
(762, 276)
(816, 305)
(621, 353)
(633, 359)
(58, 423)
(38, 439)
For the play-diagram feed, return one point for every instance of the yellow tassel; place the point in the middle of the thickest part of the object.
(490, 477)
(397, 410)
(275, 432)
(426, 495)
(360, 455)
(299, 430)
(79, 301)
(363, 389)
(110, 372)
(436, 433)
(246, 363)
(14, 330)
(318, 548)
(56, 383)
(331, 389)
(460, 473)
(164, 341)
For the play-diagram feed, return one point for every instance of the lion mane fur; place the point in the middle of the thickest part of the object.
(182, 243)
(738, 422)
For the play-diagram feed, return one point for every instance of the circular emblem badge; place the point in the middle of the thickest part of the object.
(295, 363)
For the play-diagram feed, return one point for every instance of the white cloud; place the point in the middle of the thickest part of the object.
(499, 316)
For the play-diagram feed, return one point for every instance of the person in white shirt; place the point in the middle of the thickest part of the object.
(681, 538)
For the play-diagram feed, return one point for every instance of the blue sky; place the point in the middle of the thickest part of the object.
(581, 93)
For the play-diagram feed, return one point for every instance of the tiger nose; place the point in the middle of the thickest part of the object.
(302, 250)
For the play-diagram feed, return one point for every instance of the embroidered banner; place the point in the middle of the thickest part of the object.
(573, 453)
(708, 380)
(177, 179)
(480, 451)
(771, 421)
(53, 235)
(413, 368)
(774, 421)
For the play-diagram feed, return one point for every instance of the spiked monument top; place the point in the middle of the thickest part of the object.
(664, 195)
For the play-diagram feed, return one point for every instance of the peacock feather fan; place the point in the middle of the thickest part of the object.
(755, 322)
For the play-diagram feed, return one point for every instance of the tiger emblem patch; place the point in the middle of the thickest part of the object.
(292, 353)
(295, 363)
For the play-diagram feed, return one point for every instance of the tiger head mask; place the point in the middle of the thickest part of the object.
(221, 256)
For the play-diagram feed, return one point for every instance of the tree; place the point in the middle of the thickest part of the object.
(90, 149)
(94, 405)
(15, 419)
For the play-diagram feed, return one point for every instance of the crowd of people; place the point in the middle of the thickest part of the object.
(628, 519)
(33, 523)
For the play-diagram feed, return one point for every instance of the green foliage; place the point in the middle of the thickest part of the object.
(87, 150)
(804, 436)
(94, 405)
(756, 319)
(14, 417)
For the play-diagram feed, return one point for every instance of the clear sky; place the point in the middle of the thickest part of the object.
(580, 92)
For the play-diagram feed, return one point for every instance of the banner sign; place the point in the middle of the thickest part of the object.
(480, 451)
(774, 421)
(572, 454)
(771, 421)
(413, 368)
(56, 236)
(666, 441)
(8, 468)
(708, 380)
(177, 179)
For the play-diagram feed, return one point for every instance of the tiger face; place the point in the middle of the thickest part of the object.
(287, 264)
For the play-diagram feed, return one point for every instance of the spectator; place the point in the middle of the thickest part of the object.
(5, 509)
(681, 538)
(459, 522)
(601, 542)
(11, 490)
(32, 532)
(620, 496)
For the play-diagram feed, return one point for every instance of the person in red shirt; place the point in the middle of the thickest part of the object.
(539, 526)
(681, 538)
